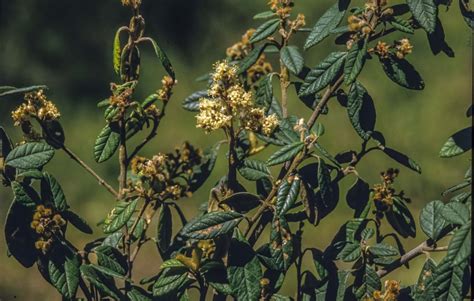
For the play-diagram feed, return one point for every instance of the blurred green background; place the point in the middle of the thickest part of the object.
(67, 45)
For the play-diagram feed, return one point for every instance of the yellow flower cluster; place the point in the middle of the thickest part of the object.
(242, 48)
(46, 224)
(392, 290)
(132, 3)
(229, 101)
(382, 49)
(384, 193)
(358, 24)
(281, 7)
(153, 169)
(259, 69)
(166, 90)
(403, 48)
(36, 105)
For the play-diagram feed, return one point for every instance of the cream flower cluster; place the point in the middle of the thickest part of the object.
(228, 101)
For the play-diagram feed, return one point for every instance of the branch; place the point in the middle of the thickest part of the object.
(324, 100)
(426, 246)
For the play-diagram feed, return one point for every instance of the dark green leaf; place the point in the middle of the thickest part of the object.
(77, 221)
(402, 25)
(101, 282)
(24, 195)
(139, 294)
(401, 218)
(285, 153)
(431, 219)
(163, 58)
(448, 280)
(106, 144)
(424, 288)
(242, 202)
(251, 58)
(171, 282)
(350, 252)
(244, 270)
(292, 58)
(212, 225)
(281, 244)
(459, 248)
(457, 144)
(264, 15)
(402, 159)
(324, 181)
(355, 61)
(370, 282)
(328, 22)
(425, 12)
(203, 171)
(357, 196)
(402, 73)
(361, 110)
(265, 30)
(323, 74)
(456, 213)
(164, 228)
(191, 103)
(119, 216)
(111, 258)
(51, 192)
(286, 196)
(31, 155)
(383, 250)
(254, 170)
(63, 272)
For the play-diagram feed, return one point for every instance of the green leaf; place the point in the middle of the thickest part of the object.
(457, 144)
(191, 103)
(171, 282)
(357, 196)
(292, 58)
(264, 15)
(203, 171)
(350, 252)
(402, 159)
(119, 216)
(106, 144)
(139, 294)
(355, 61)
(370, 282)
(244, 270)
(383, 250)
(51, 192)
(456, 213)
(251, 58)
(111, 258)
(324, 26)
(172, 263)
(164, 228)
(281, 243)
(104, 284)
(117, 52)
(424, 288)
(31, 155)
(242, 202)
(63, 272)
(361, 110)
(264, 93)
(286, 196)
(212, 225)
(254, 170)
(324, 181)
(448, 280)
(163, 58)
(265, 30)
(402, 25)
(13, 90)
(77, 221)
(286, 153)
(19, 236)
(401, 218)
(402, 73)
(431, 219)
(425, 12)
(24, 195)
(323, 74)
(459, 248)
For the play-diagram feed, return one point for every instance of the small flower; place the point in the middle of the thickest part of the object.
(382, 49)
(212, 115)
(403, 48)
(166, 90)
(36, 105)
(47, 225)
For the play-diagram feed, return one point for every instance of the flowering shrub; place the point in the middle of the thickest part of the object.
(223, 251)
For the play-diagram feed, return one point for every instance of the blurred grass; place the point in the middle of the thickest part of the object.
(67, 46)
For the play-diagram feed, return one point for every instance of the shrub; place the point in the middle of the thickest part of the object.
(224, 251)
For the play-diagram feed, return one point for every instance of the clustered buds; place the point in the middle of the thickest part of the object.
(166, 90)
(384, 193)
(36, 105)
(204, 249)
(47, 225)
(132, 3)
(229, 101)
(242, 48)
(403, 48)
(161, 170)
(400, 49)
(281, 7)
(392, 290)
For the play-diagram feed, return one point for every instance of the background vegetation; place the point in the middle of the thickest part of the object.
(67, 46)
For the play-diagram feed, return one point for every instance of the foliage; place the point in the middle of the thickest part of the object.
(222, 251)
